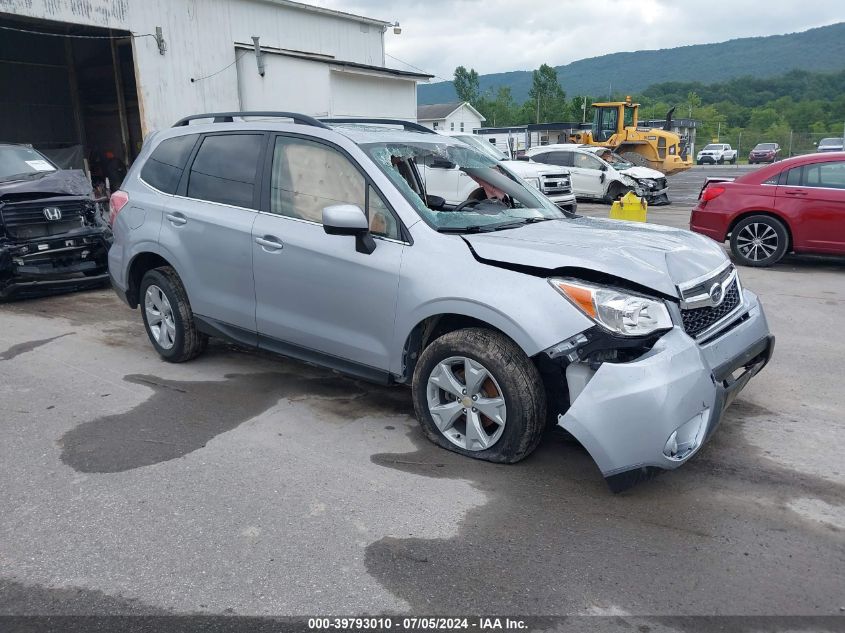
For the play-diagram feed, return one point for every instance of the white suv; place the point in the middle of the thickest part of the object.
(716, 153)
(448, 181)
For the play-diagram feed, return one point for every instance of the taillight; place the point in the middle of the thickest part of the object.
(118, 200)
(712, 192)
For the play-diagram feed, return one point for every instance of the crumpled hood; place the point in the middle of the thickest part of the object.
(653, 256)
(69, 182)
(642, 172)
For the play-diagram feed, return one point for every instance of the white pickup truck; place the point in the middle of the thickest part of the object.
(446, 180)
(716, 154)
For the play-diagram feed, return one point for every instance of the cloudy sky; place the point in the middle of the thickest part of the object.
(501, 35)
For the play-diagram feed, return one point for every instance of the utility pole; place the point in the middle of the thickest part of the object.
(584, 110)
(738, 147)
(538, 108)
(790, 143)
(719, 132)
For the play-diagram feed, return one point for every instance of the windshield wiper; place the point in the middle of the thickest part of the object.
(29, 175)
(489, 228)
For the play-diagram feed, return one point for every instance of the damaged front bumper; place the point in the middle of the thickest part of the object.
(74, 260)
(655, 412)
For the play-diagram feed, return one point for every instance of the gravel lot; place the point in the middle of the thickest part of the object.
(241, 483)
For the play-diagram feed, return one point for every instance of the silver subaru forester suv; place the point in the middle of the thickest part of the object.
(505, 314)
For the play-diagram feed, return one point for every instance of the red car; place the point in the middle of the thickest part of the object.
(796, 205)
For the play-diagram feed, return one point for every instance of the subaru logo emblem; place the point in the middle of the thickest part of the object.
(717, 293)
(52, 213)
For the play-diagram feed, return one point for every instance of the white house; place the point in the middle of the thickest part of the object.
(450, 117)
(100, 74)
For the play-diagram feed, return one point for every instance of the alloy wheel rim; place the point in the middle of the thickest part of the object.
(757, 241)
(466, 403)
(160, 317)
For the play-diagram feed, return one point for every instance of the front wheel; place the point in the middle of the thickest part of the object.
(476, 393)
(615, 192)
(168, 318)
(733, 160)
(759, 241)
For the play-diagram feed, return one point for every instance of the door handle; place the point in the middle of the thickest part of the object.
(269, 243)
(795, 193)
(176, 219)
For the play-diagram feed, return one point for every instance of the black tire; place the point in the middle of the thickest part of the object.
(746, 228)
(615, 192)
(188, 342)
(519, 380)
(733, 160)
(721, 161)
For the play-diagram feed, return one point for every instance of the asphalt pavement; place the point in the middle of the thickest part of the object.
(241, 483)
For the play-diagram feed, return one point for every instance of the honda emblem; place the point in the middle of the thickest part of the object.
(52, 213)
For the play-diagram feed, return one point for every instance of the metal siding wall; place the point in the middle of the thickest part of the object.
(355, 94)
(200, 36)
(288, 84)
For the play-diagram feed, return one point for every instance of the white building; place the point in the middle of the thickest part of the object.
(450, 117)
(144, 64)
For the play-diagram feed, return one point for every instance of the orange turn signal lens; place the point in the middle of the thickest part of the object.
(579, 295)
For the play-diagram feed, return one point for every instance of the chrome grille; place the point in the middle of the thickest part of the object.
(698, 320)
(555, 184)
(707, 306)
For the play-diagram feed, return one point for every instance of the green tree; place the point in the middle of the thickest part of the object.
(499, 110)
(547, 95)
(466, 84)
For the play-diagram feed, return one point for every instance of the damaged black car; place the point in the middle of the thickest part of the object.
(53, 237)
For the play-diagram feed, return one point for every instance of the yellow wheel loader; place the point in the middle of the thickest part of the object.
(615, 127)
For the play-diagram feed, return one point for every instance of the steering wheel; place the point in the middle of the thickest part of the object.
(465, 204)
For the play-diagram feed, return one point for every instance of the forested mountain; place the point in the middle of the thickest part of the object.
(816, 50)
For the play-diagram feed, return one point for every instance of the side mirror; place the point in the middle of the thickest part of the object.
(603, 167)
(524, 157)
(348, 219)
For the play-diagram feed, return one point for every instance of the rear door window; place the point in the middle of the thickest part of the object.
(225, 170)
(163, 169)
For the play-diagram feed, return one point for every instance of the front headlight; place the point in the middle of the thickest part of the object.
(616, 310)
(534, 182)
(648, 182)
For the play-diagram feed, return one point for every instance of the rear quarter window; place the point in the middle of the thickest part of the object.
(163, 169)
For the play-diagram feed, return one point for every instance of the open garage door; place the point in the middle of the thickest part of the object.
(69, 91)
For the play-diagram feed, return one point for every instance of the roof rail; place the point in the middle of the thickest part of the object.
(408, 126)
(229, 117)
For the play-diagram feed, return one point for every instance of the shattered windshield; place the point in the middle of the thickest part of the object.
(483, 146)
(18, 163)
(496, 200)
(616, 160)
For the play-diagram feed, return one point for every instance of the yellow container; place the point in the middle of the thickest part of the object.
(630, 207)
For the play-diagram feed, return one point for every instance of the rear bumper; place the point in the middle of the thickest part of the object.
(709, 222)
(627, 413)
